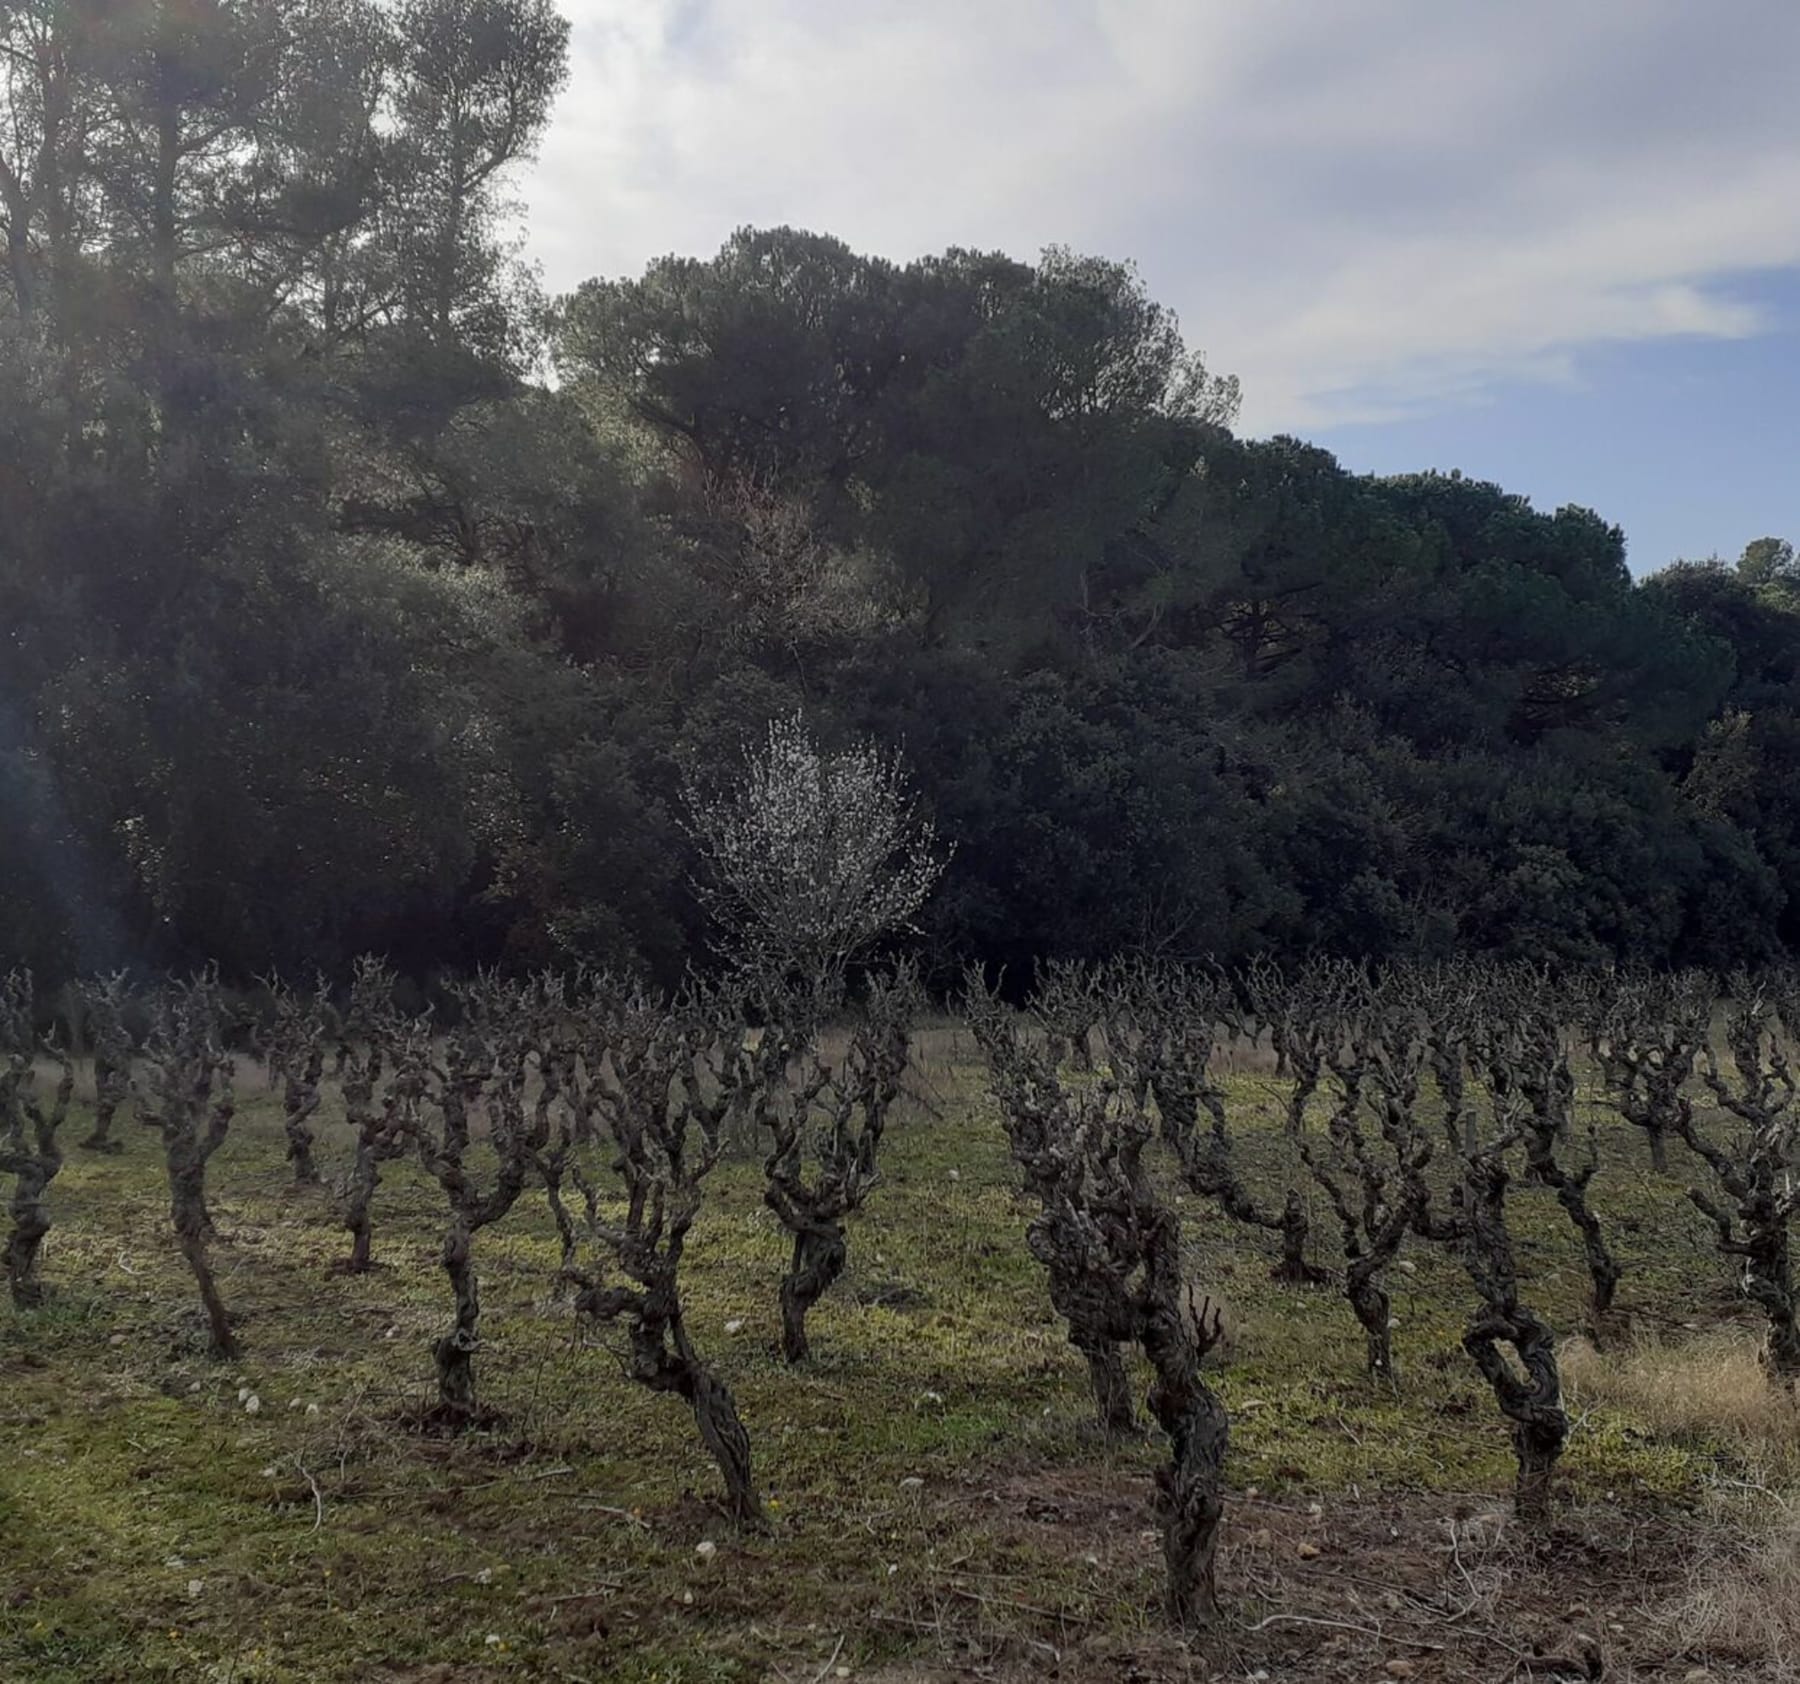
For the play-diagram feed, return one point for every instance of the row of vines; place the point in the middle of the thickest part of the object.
(1414, 1104)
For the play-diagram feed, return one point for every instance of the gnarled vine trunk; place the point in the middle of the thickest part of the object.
(364, 1179)
(1295, 1230)
(1109, 1382)
(112, 1085)
(300, 1100)
(1768, 1276)
(722, 1432)
(454, 1351)
(194, 1232)
(818, 1260)
(1176, 1333)
(1373, 1309)
(1191, 1497)
(664, 1359)
(1540, 1426)
(30, 1212)
(221, 1338)
(1531, 1403)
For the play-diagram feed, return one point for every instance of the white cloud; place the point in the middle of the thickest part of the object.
(1358, 208)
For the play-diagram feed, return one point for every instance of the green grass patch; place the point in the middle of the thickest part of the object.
(154, 1528)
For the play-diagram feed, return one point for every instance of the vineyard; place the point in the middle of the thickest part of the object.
(1297, 1326)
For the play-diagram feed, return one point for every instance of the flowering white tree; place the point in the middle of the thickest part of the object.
(815, 854)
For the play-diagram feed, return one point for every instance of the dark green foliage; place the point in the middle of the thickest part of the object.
(333, 628)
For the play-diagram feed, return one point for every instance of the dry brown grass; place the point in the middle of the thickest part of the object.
(1742, 1604)
(1709, 1389)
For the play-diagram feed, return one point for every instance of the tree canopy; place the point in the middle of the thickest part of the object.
(359, 597)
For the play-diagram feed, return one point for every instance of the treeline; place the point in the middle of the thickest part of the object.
(359, 597)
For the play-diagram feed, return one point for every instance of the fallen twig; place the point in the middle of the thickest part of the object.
(607, 1508)
(1014, 1602)
(1374, 1632)
(604, 1588)
(520, 1479)
(318, 1500)
(831, 1661)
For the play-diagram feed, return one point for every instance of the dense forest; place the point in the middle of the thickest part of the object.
(358, 596)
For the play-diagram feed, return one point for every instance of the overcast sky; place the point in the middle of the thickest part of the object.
(1551, 242)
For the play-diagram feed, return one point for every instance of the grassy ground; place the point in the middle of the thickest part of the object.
(941, 1508)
